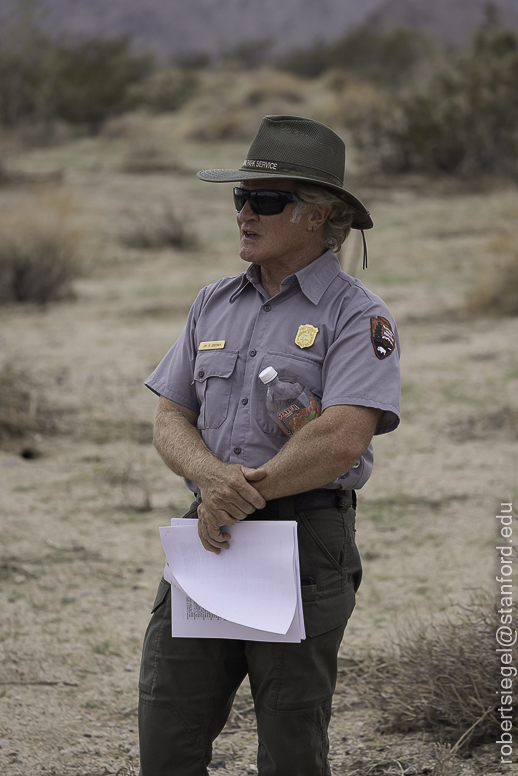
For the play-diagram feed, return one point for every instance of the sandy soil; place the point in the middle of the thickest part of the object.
(81, 555)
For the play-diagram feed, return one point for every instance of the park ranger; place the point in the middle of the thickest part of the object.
(295, 310)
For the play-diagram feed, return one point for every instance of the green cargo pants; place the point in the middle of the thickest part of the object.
(187, 686)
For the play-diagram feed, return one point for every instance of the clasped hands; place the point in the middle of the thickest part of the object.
(228, 496)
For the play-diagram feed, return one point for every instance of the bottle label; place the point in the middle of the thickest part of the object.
(295, 416)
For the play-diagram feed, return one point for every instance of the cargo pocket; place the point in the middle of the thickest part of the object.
(159, 620)
(212, 371)
(330, 563)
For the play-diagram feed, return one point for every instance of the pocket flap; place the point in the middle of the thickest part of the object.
(214, 363)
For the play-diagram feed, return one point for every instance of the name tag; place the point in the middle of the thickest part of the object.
(212, 345)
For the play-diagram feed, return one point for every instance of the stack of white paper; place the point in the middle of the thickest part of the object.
(251, 591)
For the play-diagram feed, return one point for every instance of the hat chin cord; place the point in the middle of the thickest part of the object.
(364, 249)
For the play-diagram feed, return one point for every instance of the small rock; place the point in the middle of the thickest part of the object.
(135, 752)
(252, 769)
(129, 668)
(19, 579)
(3, 742)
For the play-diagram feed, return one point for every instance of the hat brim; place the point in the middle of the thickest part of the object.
(361, 219)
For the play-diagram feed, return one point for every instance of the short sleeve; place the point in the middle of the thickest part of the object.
(361, 366)
(173, 377)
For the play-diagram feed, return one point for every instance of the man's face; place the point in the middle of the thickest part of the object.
(267, 240)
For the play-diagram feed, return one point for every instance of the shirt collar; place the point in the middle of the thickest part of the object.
(314, 280)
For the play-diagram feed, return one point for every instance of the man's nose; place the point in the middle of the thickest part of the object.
(246, 213)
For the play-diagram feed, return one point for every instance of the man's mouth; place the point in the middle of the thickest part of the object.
(249, 234)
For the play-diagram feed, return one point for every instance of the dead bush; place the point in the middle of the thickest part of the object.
(38, 254)
(159, 229)
(24, 410)
(443, 677)
(496, 293)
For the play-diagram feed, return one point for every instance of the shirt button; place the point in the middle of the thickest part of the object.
(267, 308)
(244, 401)
(237, 450)
(201, 373)
(253, 353)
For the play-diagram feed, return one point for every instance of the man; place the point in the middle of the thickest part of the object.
(293, 309)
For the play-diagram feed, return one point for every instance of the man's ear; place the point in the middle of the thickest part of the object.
(318, 217)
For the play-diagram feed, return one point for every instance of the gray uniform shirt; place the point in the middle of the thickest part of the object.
(234, 330)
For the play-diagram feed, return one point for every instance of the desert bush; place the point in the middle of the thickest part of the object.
(26, 68)
(249, 55)
(24, 410)
(39, 255)
(496, 291)
(443, 677)
(167, 89)
(93, 79)
(159, 229)
(386, 57)
(463, 120)
(83, 82)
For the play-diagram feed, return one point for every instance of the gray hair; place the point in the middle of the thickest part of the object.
(338, 223)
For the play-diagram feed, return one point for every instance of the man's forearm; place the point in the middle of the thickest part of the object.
(320, 452)
(180, 445)
(227, 490)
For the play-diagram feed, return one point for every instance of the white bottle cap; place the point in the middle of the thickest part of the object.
(267, 375)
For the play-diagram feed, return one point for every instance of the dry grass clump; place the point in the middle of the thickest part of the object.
(496, 293)
(24, 410)
(230, 104)
(501, 422)
(159, 229)
(39, 253)
(443, 677)
(147, 156)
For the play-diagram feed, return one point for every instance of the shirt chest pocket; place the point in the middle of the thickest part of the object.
(307, 372)
(212, 372)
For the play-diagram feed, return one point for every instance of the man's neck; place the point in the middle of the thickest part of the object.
(272, 276)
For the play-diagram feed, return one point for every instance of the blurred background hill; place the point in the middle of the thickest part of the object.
(171, 28)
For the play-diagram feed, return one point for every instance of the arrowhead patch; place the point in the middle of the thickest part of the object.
(382, 337)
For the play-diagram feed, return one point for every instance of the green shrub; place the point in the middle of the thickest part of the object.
(385, 57)
(82, 82)
(93, 78)
(26, 69)
(464, 120)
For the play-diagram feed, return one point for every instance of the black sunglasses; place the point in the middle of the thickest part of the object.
(262, 201)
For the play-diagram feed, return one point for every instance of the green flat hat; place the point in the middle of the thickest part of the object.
(297, 148)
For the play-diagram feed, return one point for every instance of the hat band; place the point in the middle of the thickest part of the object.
(319, 176)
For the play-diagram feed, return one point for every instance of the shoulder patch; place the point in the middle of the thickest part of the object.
(382, 337)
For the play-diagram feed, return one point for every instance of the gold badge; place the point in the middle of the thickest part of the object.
(306, 335)
(212, 345)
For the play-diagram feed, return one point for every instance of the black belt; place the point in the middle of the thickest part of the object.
(285, 508)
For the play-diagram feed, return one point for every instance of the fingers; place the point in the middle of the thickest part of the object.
(254, 475)
(210, 533)
(212, 545)
(233, 494)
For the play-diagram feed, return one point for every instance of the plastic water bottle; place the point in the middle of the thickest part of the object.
(289, 404)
